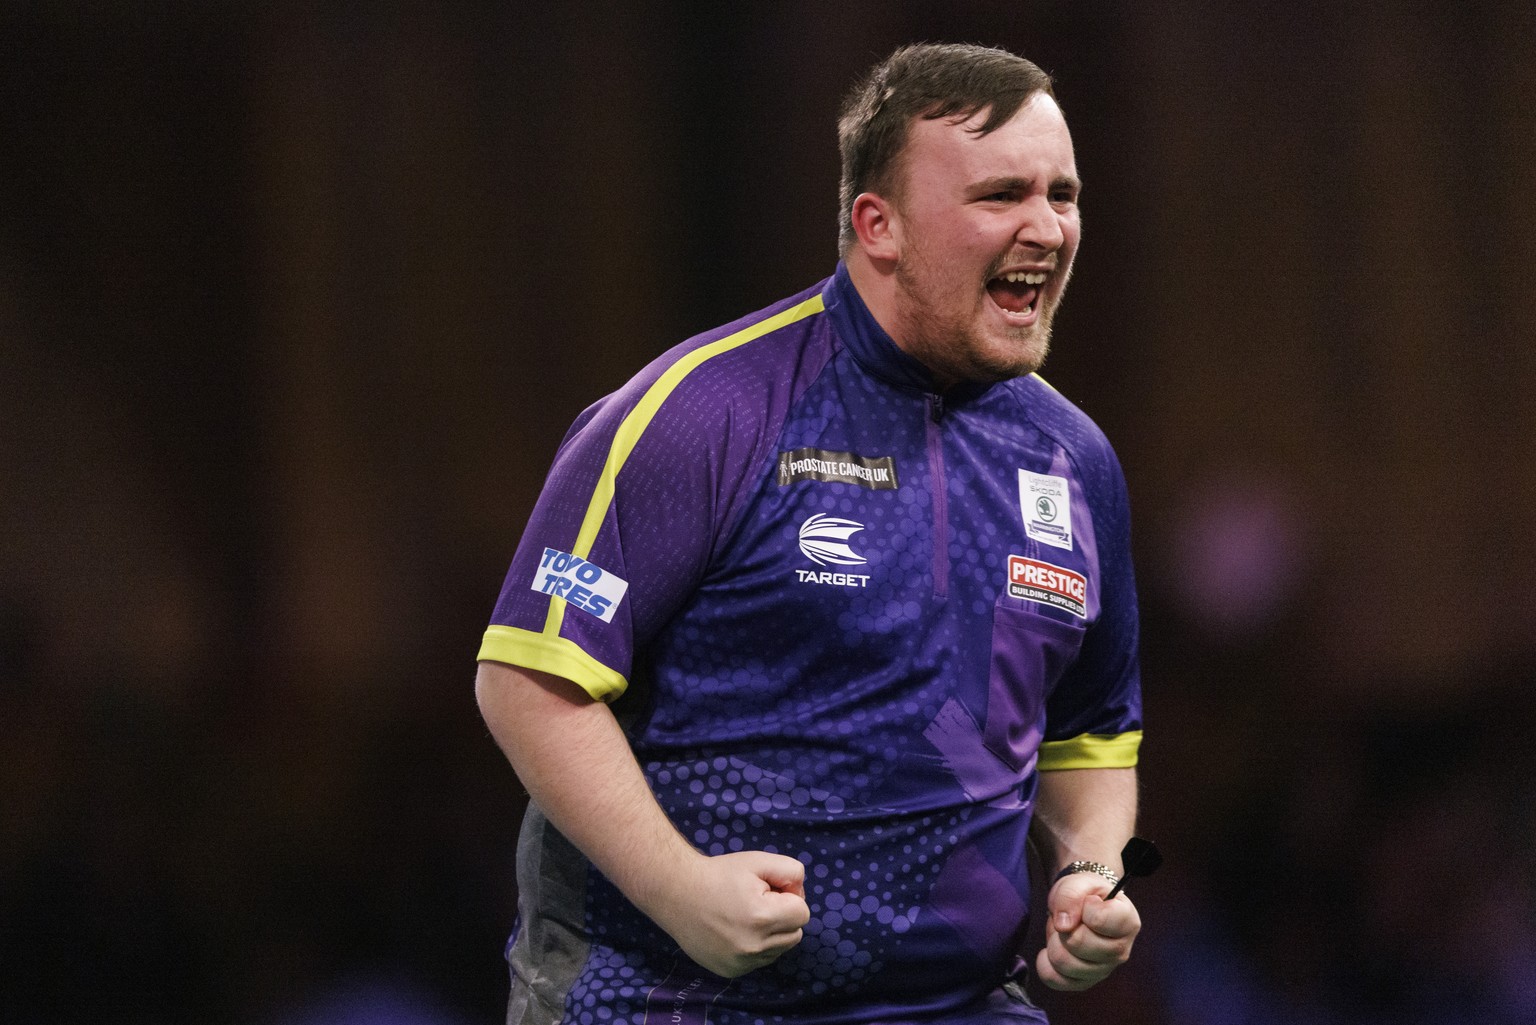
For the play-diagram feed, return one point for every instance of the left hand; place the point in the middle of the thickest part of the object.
(1087, 937)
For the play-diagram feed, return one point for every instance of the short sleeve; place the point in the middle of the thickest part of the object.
(1094, 716)
(639, 494)
(620, 535)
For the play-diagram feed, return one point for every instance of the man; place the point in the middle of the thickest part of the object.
(829, 611)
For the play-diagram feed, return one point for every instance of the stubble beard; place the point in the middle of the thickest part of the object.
(952, 347)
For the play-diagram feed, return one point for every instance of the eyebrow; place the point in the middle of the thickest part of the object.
(1010, 183)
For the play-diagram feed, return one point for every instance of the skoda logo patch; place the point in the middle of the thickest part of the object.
(1046, 502)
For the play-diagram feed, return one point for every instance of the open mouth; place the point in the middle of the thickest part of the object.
(1017, 291)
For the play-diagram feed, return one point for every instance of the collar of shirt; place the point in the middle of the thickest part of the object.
(875, 350)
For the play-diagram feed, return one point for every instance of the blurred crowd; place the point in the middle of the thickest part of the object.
(294, 308)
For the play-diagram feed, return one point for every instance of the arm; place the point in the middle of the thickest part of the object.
(1085, 815)
(730, 913)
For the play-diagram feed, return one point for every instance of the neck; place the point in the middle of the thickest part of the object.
(876, 282)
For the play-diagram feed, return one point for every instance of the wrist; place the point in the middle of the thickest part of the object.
(1096, 867)
(659, 881)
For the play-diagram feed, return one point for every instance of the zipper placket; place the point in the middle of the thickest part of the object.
(940, 490)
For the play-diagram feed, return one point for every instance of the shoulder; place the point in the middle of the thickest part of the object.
(753, 355)
(699, 415)
(1082, 443)
(1065, 423)
(747, 356)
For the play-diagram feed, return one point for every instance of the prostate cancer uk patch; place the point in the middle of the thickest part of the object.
(582, 584)
(1033, 580)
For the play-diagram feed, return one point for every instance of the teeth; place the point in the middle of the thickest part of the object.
(1029, 279)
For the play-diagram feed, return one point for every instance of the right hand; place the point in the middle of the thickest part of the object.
(1087, 937)
(733, 913)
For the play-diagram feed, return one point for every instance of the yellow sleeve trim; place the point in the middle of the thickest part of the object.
(1091, 751)
(554, 655)
(639, 418)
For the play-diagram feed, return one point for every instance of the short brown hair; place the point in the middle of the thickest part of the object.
(930, 81)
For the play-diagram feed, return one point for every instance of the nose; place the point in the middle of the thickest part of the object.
(1040, 226)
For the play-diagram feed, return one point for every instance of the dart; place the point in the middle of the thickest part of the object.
(1140, 858)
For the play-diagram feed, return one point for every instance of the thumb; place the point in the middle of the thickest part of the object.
(1068, 914)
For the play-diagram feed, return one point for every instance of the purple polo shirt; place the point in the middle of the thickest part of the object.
(843, 618)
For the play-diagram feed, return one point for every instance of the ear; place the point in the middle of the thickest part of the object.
(878, 226)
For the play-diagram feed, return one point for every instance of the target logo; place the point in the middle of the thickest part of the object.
(824, 540)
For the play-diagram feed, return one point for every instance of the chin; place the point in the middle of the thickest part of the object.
(1015, 358)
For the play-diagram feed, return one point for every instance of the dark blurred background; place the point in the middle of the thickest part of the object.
(296, 301)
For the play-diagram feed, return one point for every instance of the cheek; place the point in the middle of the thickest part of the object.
(952, 245)
(1072, 234)
(1072, 231)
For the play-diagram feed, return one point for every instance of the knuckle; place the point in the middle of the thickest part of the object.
(760, 919)
(751, 946)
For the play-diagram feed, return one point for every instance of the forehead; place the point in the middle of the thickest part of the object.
(1033, 144)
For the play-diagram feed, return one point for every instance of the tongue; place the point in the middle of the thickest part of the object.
(1013, 296)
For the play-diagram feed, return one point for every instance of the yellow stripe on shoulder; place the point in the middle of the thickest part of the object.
(554, 655)
(639, 418)
(1091, 751)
